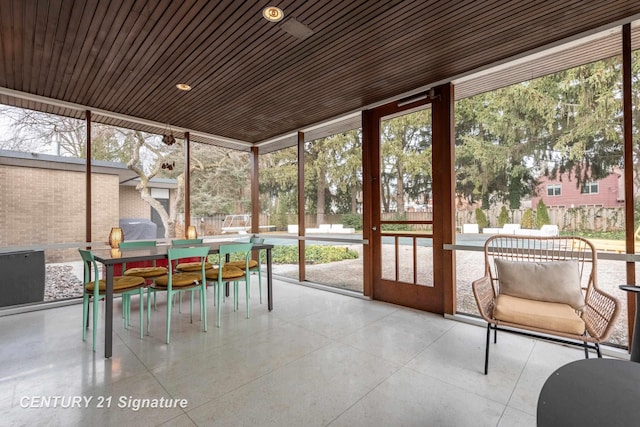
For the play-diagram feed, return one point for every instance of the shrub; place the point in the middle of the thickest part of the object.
(352, 221)
(503, 218)
(481, 219)
(542, 214)
(314, 254)
(527, 219)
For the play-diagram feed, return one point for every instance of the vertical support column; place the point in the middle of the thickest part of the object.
(628, 172)
(187, 181)
(301, 222)
(370, 173)
(88, 180)
(444, 188)
(255, 190)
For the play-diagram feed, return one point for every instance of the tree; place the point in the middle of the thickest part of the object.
(542, 214)
(481, 219)
(406, 159)
(503, 218)
(527, 220)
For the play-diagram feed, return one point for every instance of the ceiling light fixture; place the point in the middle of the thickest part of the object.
(183, 86)
(272, 14)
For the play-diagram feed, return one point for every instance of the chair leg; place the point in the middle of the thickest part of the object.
(191, 305)
(486, 351)
(219, 285)
(149, 308)
(169, 298)
(598, 351)
(495, 334)
(247, 296)
(95, 321)
(235, 296)
(85, 316)
(260, 282)
(586, 350)
(203, 305)
(141, 313)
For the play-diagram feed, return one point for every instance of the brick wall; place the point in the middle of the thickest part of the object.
(131, 205)
(45, 206)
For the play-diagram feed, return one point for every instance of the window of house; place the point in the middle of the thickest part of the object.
(554, 190)
(590, 188)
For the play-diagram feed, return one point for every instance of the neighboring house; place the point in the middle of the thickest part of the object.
(34, 184)
(562, 192)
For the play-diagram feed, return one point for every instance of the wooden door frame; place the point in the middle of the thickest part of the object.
(443, 297)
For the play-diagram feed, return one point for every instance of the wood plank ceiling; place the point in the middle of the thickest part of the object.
(253, 81)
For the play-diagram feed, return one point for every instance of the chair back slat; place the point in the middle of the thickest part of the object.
(138, 244)
(231, 248)
(186, 241)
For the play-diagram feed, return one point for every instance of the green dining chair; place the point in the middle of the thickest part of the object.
(147, 273)
(226, 273)
(189, 266)
(177, 282)
(95, 290)
(255, 266)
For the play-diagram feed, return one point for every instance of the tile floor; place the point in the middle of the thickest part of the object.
(319, 359)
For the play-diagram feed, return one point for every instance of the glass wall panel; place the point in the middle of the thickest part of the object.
(139, 176)
(42, 199)
(278, 177)
(334, 264)
(542, 157)
(220, 190)
(333, 209)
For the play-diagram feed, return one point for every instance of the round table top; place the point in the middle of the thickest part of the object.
(591, 392)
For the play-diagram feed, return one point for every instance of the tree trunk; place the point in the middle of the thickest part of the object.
(320, 198)
(400, 188)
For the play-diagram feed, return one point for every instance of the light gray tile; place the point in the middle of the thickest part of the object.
(400, 336)
(310, 391)
(544, 360)
(409, 398)
(227, 368)
(457, 357)
(515, 418)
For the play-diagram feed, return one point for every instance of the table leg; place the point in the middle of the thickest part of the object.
(635, 346)
(269, 282)
(108, 316)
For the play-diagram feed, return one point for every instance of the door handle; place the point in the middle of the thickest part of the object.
(374, 228)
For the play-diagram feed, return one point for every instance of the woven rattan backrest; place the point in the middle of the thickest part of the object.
(542, 249)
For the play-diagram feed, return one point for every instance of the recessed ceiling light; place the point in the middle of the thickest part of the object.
(272, 13)
(183, 86)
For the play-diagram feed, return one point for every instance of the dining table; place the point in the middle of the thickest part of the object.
(112, 257)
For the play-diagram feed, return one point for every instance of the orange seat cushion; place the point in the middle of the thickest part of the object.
(228, 272)
(146, 272)
(241, 264)
(120, 284)
(179, 280)
(552, 316)
(193, 266)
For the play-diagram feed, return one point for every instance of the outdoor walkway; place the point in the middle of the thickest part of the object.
(318, 359)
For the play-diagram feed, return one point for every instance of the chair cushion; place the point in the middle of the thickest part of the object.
(179, 280)
(146, 272)
(241, 264)
(228, 272)
(120, 284)
(538, 314)
(552, 281)
(193, 266)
